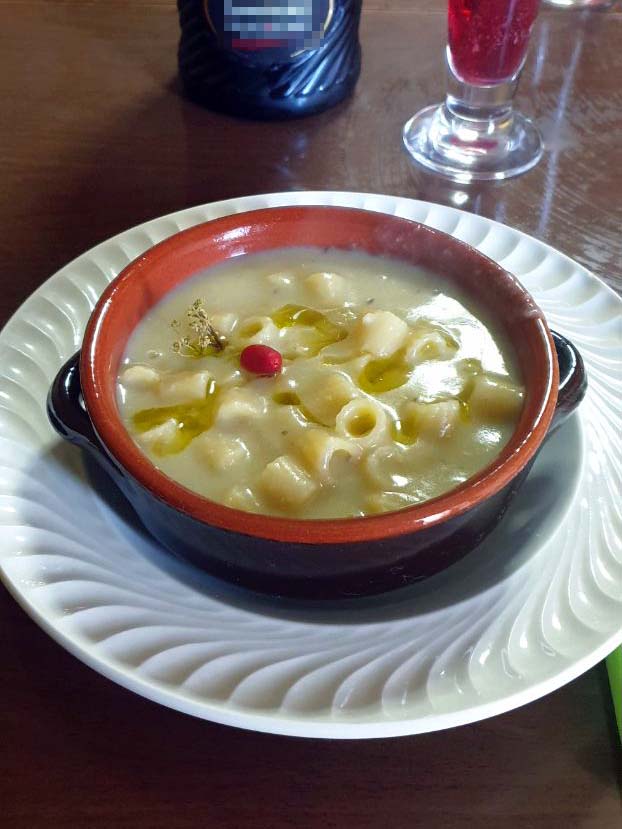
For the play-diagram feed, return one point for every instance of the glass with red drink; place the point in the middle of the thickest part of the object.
(476, 133)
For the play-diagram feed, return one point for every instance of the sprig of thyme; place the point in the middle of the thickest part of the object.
(207, 339)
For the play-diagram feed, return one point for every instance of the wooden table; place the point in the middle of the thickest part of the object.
(96, 138)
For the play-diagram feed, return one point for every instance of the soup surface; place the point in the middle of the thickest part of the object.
(392, 389)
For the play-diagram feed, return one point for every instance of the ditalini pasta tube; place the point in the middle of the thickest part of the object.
(363, 420)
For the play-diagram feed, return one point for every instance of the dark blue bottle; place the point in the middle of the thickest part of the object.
(269, 58)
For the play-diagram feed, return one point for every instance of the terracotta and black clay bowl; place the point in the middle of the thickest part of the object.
(319, 558)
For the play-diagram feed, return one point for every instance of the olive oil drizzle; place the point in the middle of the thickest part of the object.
(385, 373)
(192, 420)
(404, 433)
(325, 332)
(290, 398)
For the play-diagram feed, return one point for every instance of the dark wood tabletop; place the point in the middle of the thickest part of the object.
(96, 138)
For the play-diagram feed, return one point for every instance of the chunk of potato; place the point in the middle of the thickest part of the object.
(326, 288)
(240, 404)
(324, 395)
(140, 378)
(184, 387)
(286, 484)
(380, 333)
(220, 451)
(224, 323)
(495, 399)
(159, 438)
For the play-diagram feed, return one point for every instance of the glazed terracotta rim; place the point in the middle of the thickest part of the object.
(238, 233)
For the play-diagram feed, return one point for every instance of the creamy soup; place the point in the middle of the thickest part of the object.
(384, 387)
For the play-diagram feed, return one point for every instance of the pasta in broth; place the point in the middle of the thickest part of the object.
(392, 391)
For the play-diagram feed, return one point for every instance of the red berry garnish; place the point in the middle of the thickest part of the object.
(261, 359)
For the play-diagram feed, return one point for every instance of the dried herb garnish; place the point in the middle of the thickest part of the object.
(206, 340)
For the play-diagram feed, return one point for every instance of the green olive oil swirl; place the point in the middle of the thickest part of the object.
(290, 398)
(325, 332)
(192, 420)
(384, 374)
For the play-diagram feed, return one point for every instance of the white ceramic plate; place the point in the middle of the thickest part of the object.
(539, 603)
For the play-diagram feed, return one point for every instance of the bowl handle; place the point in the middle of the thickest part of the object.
(69, 417)
(572, 380)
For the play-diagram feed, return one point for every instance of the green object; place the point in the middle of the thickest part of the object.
(614, 665)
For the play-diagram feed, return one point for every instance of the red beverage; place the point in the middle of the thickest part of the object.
(488, 38)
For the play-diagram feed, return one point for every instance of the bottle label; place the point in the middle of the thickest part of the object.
(269, 30)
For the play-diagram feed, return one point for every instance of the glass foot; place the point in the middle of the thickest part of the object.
(465, 149)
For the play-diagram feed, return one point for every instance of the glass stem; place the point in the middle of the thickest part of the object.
(491, 104)
(476, 133)
(477, 118)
